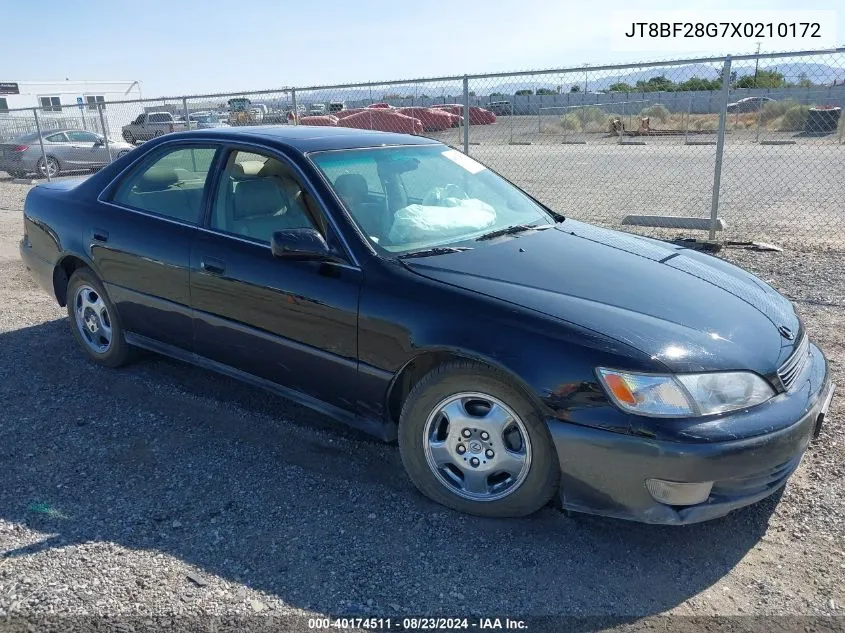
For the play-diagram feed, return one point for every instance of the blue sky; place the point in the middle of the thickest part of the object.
(188, 46)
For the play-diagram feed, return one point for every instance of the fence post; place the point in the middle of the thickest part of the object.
(105, 131)
(466, 115)
(185, 110)
(293, 105)
(720, 144)
(41, 141)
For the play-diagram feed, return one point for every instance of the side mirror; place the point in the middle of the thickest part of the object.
(302, 245)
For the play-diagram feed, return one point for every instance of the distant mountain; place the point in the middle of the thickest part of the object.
(821, 74)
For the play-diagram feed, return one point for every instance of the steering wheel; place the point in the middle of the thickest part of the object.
(441, 196)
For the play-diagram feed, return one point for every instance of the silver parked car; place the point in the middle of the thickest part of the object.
(67, 151)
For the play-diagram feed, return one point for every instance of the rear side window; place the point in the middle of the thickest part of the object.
(56, 138)
(159, 118)
(171, 185)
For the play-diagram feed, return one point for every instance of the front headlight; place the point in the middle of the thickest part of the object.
(684, 395)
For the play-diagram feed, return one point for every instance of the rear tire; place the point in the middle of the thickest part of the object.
(94, 321)
(129, 137)
(51, 167)
(473, 442)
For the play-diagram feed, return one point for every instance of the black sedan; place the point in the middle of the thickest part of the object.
(401, 287)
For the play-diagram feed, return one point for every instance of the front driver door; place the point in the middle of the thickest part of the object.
(290, 322)
(86, 149)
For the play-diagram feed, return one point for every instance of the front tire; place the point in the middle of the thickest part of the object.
(94, 321)
(473, 442)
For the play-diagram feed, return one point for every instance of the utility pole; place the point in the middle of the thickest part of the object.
(757, 64)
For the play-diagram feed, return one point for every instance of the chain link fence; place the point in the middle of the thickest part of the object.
(742, 148)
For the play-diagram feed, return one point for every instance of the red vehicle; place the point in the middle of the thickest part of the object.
(432, 120)
(383, 120)
(385, 106)
(477, 116)
(322, 119)
(345, 113)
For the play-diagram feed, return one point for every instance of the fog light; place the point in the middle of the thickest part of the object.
(675, 493)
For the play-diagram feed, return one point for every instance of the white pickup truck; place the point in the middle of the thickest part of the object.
(151, 124)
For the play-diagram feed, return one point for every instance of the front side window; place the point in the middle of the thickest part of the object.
(418, 197)
(160, 117)
(171, 185)
(259, 195)
(51, 104)
(77, 136)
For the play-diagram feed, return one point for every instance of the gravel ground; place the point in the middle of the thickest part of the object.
(162, 490)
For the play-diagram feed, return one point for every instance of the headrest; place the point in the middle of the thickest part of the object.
(247, 168)
(352, 186)
(158, 178)
(257, 197)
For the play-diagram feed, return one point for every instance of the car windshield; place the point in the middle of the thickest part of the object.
(418, 197)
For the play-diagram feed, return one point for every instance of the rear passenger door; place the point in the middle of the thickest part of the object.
(141, 236)
(290, 322)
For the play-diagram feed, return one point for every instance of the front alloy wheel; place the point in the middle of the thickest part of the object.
(477, 446)
(472, 440)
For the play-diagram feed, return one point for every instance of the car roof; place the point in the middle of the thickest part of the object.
(310, 138)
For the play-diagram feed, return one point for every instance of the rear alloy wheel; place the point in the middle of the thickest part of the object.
(49, 168)
(94, 321)
(473, 442)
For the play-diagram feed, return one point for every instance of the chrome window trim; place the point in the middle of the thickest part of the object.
(229, 145)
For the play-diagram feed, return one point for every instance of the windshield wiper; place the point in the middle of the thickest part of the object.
(510, 230)
(437, 250)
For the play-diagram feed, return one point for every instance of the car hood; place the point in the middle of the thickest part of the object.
(688, 310)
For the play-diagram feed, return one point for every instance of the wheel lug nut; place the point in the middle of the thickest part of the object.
(461, 449)
(466, 432)
(485, 435)
(474, 461)
(488, 453)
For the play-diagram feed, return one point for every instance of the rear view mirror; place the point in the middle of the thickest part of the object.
(302, 245)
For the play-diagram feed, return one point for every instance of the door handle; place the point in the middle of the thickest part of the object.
(100, 235)
(213, 265)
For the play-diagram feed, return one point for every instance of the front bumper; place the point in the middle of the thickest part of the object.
(604, 472)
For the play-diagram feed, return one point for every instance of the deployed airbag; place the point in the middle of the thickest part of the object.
(418, 223)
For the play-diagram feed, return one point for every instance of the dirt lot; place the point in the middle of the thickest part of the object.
(778, 193)
(165, 490)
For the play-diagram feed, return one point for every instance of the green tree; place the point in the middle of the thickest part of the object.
(660, 83)
(547, 91)
(804, 81)
(620, 86)
(764, 79)
(697, 83)
(575, 88)
(524, 93)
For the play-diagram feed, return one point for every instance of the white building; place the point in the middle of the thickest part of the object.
(54, 96)
(66, 104)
